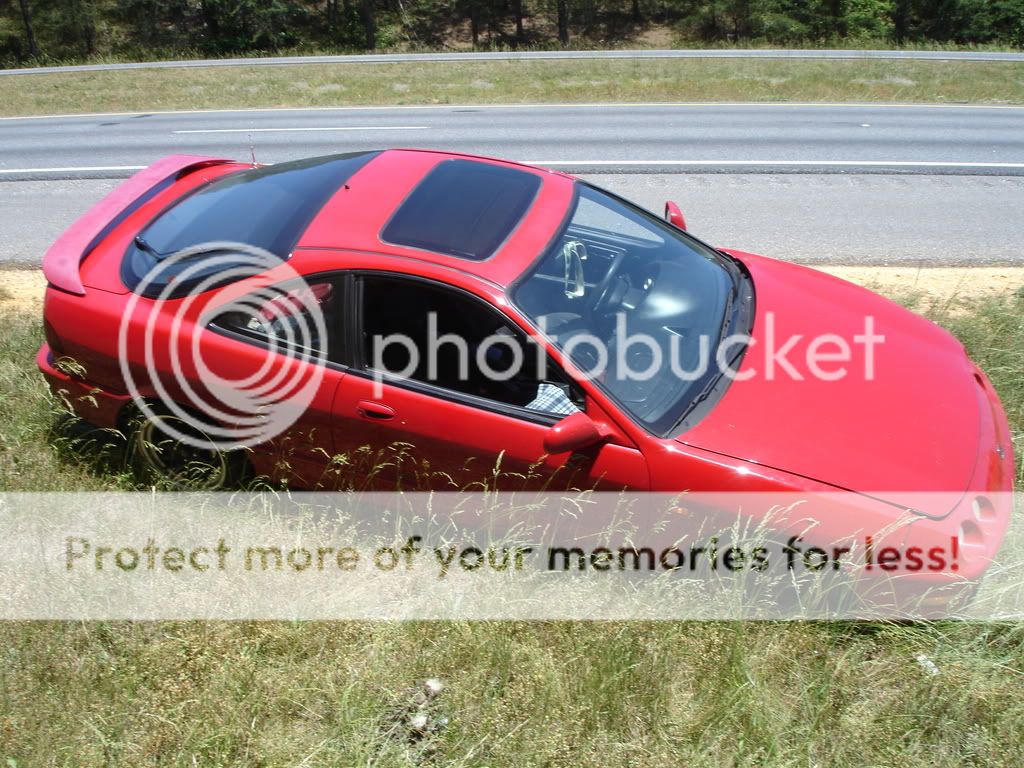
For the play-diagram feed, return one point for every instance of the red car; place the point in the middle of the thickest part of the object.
(452, 320)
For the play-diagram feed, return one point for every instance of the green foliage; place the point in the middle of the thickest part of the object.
(146, 29)
(967, 21)
(868, 19)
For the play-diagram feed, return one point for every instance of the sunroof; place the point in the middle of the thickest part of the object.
(463, 208)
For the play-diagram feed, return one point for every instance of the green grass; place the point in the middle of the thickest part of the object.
(524, 694)
(34, 453)
(513, 82)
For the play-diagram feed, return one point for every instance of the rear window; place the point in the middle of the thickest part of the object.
(463, 208)
(268, 207)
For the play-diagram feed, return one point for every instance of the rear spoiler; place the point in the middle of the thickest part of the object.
(63, 259)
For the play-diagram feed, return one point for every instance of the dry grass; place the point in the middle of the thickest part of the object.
(513, 82)
(524, 694)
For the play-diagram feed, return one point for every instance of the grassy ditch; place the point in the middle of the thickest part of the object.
(533, 693)
(488, 82)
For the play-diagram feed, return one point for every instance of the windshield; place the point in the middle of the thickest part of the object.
(639, 307)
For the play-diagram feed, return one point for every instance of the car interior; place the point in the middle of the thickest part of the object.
(285, 317)
(614, 269)
(409, 307)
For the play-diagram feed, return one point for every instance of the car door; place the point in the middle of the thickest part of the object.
(266, 338)
(449, 428)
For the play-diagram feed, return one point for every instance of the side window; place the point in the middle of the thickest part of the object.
(303, 316)
(421, 332)
(608, 221)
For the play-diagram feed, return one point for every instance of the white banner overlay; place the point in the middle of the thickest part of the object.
(526, 555)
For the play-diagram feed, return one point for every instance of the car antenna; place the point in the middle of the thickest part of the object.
(252, 149)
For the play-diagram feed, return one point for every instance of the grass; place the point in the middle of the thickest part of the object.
(529, 693)
(512, 82)
(33, 455)
(524, 694)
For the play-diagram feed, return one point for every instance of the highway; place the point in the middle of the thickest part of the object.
(813, 183)
(608, 137)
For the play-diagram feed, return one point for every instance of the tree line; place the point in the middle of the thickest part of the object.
(48, 30)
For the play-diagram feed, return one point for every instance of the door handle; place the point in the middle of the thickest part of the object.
(376, 411)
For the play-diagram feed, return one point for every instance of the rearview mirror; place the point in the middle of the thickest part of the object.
(573, 433)
(674, 216)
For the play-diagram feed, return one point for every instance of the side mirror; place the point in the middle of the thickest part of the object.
(573, 433)
(674, 216)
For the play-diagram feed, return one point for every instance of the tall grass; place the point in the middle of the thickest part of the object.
(528, 694)
(36, 452)
(484, 82)
(523, 694)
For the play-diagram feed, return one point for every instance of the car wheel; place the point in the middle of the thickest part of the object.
(156, 457)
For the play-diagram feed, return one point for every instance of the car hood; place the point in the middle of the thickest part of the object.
(912, 428)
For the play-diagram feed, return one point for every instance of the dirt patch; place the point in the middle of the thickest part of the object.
(935, 285)
(654, 37)
(21, 289)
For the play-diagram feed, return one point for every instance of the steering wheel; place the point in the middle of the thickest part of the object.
(603, 292)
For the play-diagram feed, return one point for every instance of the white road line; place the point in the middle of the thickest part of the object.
(780, 163)
(297, 130)
(570, 105)
(79, 169)
(651, 163)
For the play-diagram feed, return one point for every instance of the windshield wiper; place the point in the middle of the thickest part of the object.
(706, 392)
(727, 315)
(143, 245)
(731, 311)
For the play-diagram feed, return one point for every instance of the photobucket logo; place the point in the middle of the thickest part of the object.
(199, 401)
(629, 356)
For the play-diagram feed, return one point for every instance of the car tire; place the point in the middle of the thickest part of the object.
(156, 458)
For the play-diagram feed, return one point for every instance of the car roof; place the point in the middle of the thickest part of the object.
(358, 215)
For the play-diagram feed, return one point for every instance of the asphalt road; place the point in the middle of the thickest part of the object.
(399, 58)
(835, 219)
(646, 138)
(814, 183)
